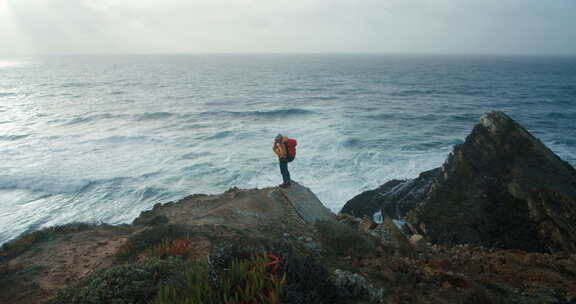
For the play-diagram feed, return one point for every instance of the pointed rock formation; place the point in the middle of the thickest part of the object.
(501, 188)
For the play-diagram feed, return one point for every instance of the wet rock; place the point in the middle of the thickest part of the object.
(394, 198)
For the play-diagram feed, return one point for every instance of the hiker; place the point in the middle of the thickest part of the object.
(285, 148)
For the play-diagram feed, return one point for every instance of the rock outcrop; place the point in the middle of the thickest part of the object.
(243, 208)
(501, 188)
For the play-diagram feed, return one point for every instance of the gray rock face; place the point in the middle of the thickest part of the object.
(500, 188)
(306, 204)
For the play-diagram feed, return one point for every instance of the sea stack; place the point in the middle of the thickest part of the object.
(501, 188)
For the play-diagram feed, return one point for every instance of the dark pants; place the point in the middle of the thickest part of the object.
(284, 170)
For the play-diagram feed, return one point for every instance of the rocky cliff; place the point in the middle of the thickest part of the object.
(501, 188)
(196, 228)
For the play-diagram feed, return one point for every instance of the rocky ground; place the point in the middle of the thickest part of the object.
(236, 216)
(470, 274)
(393, 270)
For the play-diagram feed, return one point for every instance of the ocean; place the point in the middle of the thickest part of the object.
(101, 138)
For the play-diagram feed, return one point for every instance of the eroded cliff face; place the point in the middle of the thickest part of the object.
(501, 188)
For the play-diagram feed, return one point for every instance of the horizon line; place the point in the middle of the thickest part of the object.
(298, 54)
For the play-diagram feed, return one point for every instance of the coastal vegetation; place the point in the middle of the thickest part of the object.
(232, 275)
(28, 240)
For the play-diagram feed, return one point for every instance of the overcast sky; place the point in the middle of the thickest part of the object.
(287, 26)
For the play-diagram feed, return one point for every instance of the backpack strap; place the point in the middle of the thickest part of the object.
(289, 157)
(287, 151)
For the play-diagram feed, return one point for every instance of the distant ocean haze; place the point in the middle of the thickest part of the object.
(102, 138)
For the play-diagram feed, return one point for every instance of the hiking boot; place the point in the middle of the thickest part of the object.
(284, 185)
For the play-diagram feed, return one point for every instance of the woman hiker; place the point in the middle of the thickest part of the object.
(285, 148)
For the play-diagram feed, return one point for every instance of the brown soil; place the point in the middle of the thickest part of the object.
(61, 262)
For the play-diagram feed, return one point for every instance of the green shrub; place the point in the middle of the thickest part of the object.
(222, 258)
(343, 240)
(125, 284)
(153, 221)
(8, 278)
(176, 248)
(153, 237)
(28, 240)
(307, 281)
(73, 227)
(232, 275)
(245, 281)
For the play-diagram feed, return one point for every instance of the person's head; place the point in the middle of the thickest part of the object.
(278, 138)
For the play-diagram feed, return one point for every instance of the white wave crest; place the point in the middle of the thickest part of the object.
(44, 184)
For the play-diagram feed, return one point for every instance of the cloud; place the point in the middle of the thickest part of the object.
(205, 26)
(59, 25)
